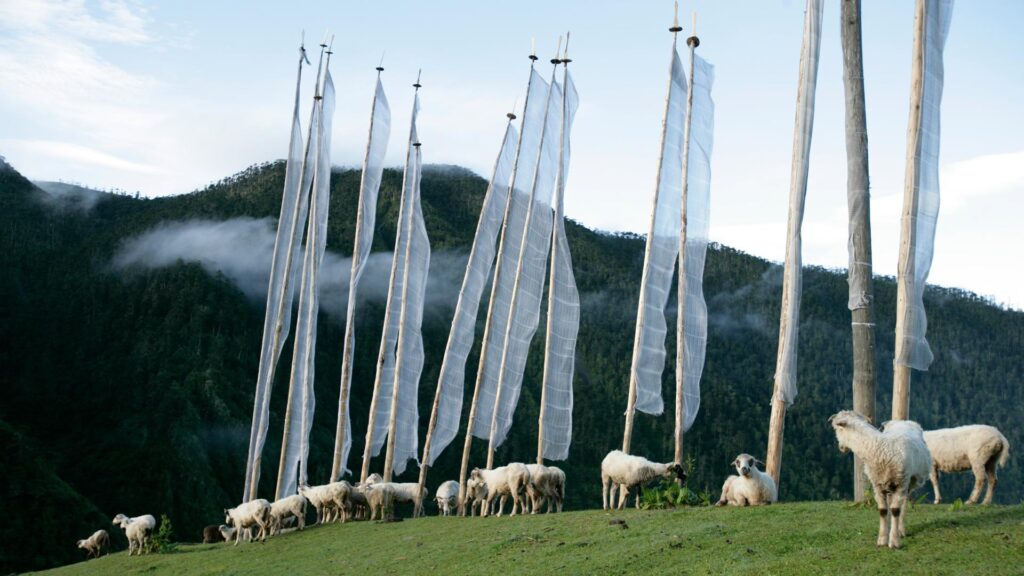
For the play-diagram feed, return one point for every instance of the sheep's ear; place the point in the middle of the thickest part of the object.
(758, 463)
(734, 462)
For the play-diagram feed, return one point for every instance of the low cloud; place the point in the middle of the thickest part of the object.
(242, 248)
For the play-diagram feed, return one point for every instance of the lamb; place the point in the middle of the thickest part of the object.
(95, 544)
(751, 487)
(291, 506)
(476, 494)
(252, 513)
(628, 472)
(380, 497)
(447, 497)
(226, 532)
(510, 480)
(139, 530)
(896, 461)
(977, 448)
(547, 484)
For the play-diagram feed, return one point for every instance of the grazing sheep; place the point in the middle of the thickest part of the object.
(629, 472)
(139, 530)
(977, 448)
(447, 497)
(254, 513)
(751, 487)
(406, 492)
(320, 497)
(510, 480)
(896, 461)
(547, 484)
(380, 497)
(93, 545)
(289, 507)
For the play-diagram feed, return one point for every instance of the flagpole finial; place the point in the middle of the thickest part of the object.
(417, 85)
(693, 41)
(565, 53)
(512, 115)
(416, 144)
(676, 28)
(330, 45)
(380, 67)
(533, 49)
(323, 42)
(558, 52)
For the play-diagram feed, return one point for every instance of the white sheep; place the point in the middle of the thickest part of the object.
(139, 530)
(447, 497)
(321, 497)
(380, 497)
(254, 513)
(547, 484)
(476, 495)
(976, 447)
(406, 492)
(95, 544)
(750, 487)
(896, 461)
(509, 480)
(289, 507)
(627, 472)
(228, 532)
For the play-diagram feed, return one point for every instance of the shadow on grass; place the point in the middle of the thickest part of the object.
(968, 517)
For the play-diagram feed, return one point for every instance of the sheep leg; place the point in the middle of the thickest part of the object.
(623, 496)
(935, 484)
(979, 483)
(883, 517)
(896, 502)
(990, 471)
(604, 491)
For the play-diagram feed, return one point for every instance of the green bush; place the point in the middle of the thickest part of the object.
(162, 542)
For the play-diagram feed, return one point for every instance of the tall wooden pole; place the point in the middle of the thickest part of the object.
(908, 240)
(627, 433)
(484, 348)
(692, 42)
(859, 200)
(519, 271)
(350, 318)
(558, 215)
(396, 387)
(789, 322)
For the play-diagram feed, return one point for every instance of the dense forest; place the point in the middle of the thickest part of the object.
(127, 385)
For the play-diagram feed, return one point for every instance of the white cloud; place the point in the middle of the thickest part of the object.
(74, 153)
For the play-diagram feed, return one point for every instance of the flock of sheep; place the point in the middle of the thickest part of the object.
(898, 458)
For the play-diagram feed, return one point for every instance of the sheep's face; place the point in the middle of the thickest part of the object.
(81, 543)
(120, 520)
(745, 464)
(676, 470)
(227, 516)
(373, 479)
(841, 423)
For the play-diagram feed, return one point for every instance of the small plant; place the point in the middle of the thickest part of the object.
(162, 542)
(668, 494)
(957, 505)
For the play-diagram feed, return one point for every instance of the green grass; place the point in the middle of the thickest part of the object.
(797, 538)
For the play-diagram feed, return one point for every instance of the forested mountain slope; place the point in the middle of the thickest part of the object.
(127, 369)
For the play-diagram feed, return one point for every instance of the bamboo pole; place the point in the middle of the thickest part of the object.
(692, 42)
(519, 271)
(858, 194)
(318, 99)
(337, 467)
(484, 348)
(908, 240)
(403, 210)
(627, 433)
(262, 401)
(558, 217)
(789, 322)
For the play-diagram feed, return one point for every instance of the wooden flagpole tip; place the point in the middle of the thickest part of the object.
(693, 41)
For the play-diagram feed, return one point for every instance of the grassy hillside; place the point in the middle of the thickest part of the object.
(130, 390)
(802, 538)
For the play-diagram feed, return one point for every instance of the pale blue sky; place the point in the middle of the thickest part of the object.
(165, 96)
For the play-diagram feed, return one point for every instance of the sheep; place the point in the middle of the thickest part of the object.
(510, 480)
(896, 461)
(380, 498)
(406, 492)
(547, 484)
(976, 447)
(751, 487)
(226, 532)
(320, 497)
(476, 494)
(212, 533)
(628, 472)
(139, 530)
(252, 513)
(291, 506)
(447, 497)
(93, 545)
